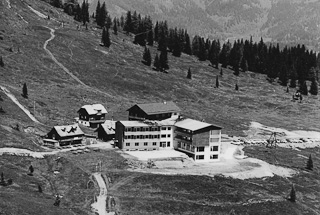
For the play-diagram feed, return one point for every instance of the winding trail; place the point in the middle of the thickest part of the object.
(56, 61)
(15, 100)
(64, 68)
(100, 205)
(9, 5)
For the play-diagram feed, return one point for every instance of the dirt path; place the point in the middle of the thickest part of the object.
(64, 68)
(15, 100)
(100, 205)
(56, 61)
(9, 5)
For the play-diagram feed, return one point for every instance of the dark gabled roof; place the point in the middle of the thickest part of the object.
(158, 108)
(68, 130)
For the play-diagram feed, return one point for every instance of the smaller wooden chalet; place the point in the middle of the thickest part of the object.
(106, 131)
(92, 115)
(65, 135)
(154, 111)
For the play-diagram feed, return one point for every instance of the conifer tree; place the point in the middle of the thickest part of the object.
(217, 81)
(292, 197)
(237, 87)
(189, 75)
(25, 91)
(244, 65)
(303, 88)
(164, 60)
(98, 12)
(146, 56)
(128, 23)
(31, 169)
(1, 62)
(101, 19)
(314, 87)
(221, 72)
(150, 37)
(105, 37)
(85, 12)
(310, 163)
(156, 62)
(187, 48)
(39, 188)
(115, 28)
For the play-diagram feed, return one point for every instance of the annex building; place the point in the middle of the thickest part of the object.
(152, 129)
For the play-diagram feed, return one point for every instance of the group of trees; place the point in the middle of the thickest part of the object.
(101, 16)
(81, 13)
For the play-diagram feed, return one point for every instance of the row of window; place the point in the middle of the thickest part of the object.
(144, 144)
(165, 144)
(133, 129)
(201, 157)
(147, 136)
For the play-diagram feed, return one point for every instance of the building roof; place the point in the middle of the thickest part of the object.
(158, 108)
(109, 127)
(194, 125)
(138, 123)
(68, 130)
(94, 109)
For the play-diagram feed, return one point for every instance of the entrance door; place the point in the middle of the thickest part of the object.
(164, 145)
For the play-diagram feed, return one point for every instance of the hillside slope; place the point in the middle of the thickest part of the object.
(116, 77)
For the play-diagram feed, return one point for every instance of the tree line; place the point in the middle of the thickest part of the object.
(293, 66)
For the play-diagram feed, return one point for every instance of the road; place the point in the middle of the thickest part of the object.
(100, 205)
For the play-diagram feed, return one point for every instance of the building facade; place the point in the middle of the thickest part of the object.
(92, 115)
(137, 135)
(200, 140)
(66, 135)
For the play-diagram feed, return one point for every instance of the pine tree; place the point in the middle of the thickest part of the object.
(187, 47)
(314, 87)
(310, 163)
(98, 12)
(25, 91)
(105, 37)
(101, 20)
(128, 23)
(115, 28)
(189, 73)
(39, 188)
(31, 169)
(237, 87)
(150, 37)
(217, 81)
(292, 197)
(156, 62)
(1, 62)
(304, 88)
(221, 71)
(244, 64)
(146, 56)
(164, 60)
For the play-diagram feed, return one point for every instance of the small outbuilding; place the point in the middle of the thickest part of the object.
(106, 131)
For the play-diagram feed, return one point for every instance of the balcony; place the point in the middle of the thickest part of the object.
(184, 138)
